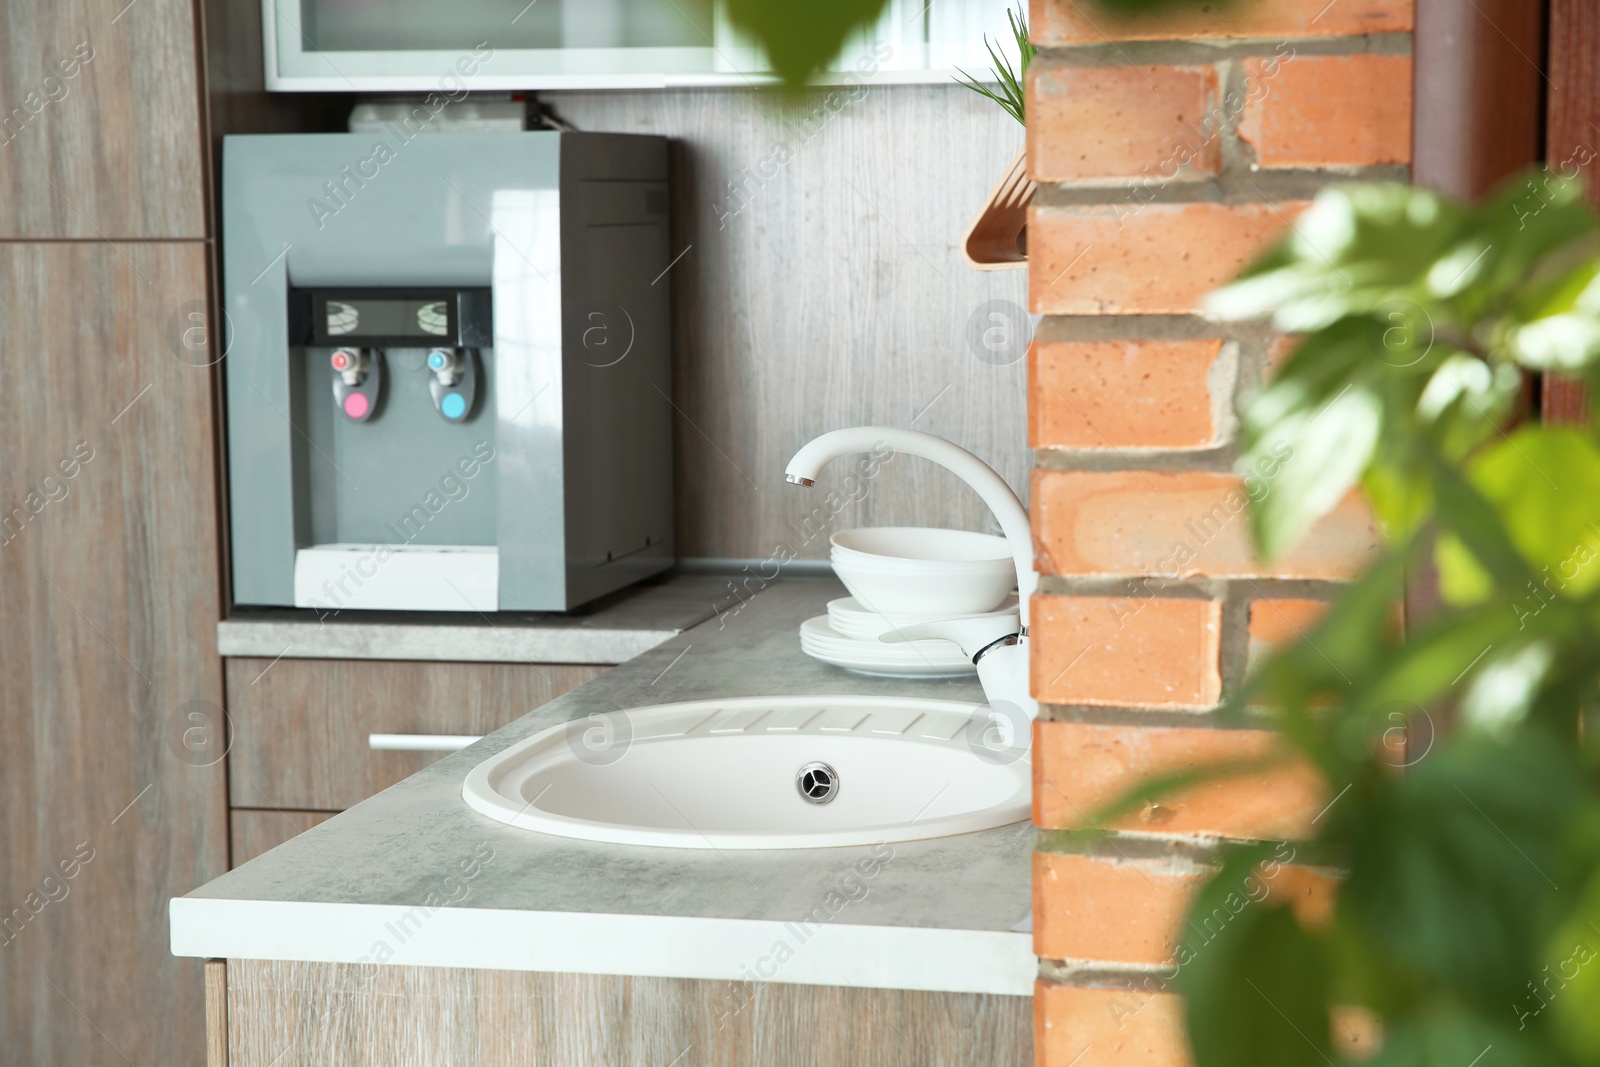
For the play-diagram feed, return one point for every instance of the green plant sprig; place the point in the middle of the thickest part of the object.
(1012, 79)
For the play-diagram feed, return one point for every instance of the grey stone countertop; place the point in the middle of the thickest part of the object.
(410, 844)
(614, 630)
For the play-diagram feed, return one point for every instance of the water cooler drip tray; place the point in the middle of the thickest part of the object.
(398, 578)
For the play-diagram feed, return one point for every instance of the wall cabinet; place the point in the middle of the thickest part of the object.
(419, 45)
(100, 121)
(112, 688)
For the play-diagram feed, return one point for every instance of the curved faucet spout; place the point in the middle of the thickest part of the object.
(1002, 500)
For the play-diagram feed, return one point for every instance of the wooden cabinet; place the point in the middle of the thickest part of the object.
(100, 121)
(347, 1015)
(301, 726)
(110, 683)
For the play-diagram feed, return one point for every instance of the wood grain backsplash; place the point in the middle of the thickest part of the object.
(821, 285)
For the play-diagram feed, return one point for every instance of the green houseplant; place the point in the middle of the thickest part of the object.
(1468, 918)
(1468, 922)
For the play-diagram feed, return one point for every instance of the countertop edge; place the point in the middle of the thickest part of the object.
(457, 644)
(836, 954)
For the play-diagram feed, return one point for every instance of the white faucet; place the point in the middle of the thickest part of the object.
(998, 649)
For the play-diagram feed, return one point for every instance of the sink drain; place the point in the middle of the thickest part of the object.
(818, 783)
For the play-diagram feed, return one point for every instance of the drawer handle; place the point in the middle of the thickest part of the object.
(420, 742)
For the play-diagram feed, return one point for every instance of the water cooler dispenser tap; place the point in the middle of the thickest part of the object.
(357, 381)
(446, 365)
(454, 385)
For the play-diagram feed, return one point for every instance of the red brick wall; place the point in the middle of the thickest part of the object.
(1169, 151)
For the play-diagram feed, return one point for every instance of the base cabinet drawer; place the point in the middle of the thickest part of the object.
(301, 728)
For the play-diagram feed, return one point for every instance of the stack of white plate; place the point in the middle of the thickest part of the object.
(908, 659)
(849, 618)
(898, 577)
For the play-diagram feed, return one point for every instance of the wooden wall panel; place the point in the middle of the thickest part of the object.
(301, 725)
(262, 830)
(1479, 96)
(344, 1015)
(110, 683)
(100, 119)
(821, 285)
(1572, 144)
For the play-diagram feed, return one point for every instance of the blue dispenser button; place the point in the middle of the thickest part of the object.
(454, 405)
(437, 361)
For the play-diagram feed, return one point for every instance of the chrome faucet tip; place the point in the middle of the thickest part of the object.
(795, 479)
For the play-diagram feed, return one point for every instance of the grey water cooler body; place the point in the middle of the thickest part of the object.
(529, 266)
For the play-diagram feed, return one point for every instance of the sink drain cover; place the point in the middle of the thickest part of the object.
(818, 783)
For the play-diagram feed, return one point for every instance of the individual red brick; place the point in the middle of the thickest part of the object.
(1074, 22)
(1079, 1026)
(1081, 768)
(1132, 257)
(1076, 1026)
(1125, 651)
(1123, 911)
(1327, 111)
(1098, 123)
(1185, 524)
(1275, 624)
(1109, 910)
(1121, 394)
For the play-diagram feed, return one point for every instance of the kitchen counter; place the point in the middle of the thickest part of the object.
(615, 630)
(413, 876)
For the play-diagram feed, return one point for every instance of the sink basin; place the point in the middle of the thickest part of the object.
(753, 773)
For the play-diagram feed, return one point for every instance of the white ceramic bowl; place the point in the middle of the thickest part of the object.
(905, 570)
(915, 547)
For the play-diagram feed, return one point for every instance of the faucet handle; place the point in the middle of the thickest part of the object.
(976, 636)
(996, 646)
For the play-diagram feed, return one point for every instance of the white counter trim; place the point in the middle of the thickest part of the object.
(839, 954)
(463, 644)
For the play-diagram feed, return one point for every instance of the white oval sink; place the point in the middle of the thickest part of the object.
(724, 774)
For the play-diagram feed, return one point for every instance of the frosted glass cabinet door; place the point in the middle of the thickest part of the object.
(456, 46)
(461, 25)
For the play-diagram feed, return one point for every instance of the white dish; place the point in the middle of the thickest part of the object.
(914, 659)
(849, 618)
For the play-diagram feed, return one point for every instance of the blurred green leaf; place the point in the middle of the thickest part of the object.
(802, 40)
(1352, 641)
(1466, 846)
(1544, 486)
(1464, 402)
(1358, 248)
(1254, 987)
(1503, 691)
(1316, 457)
(1452, 864)
(1434, 658)
(1569, 981)
(1400, 497)
(1446, 1035)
